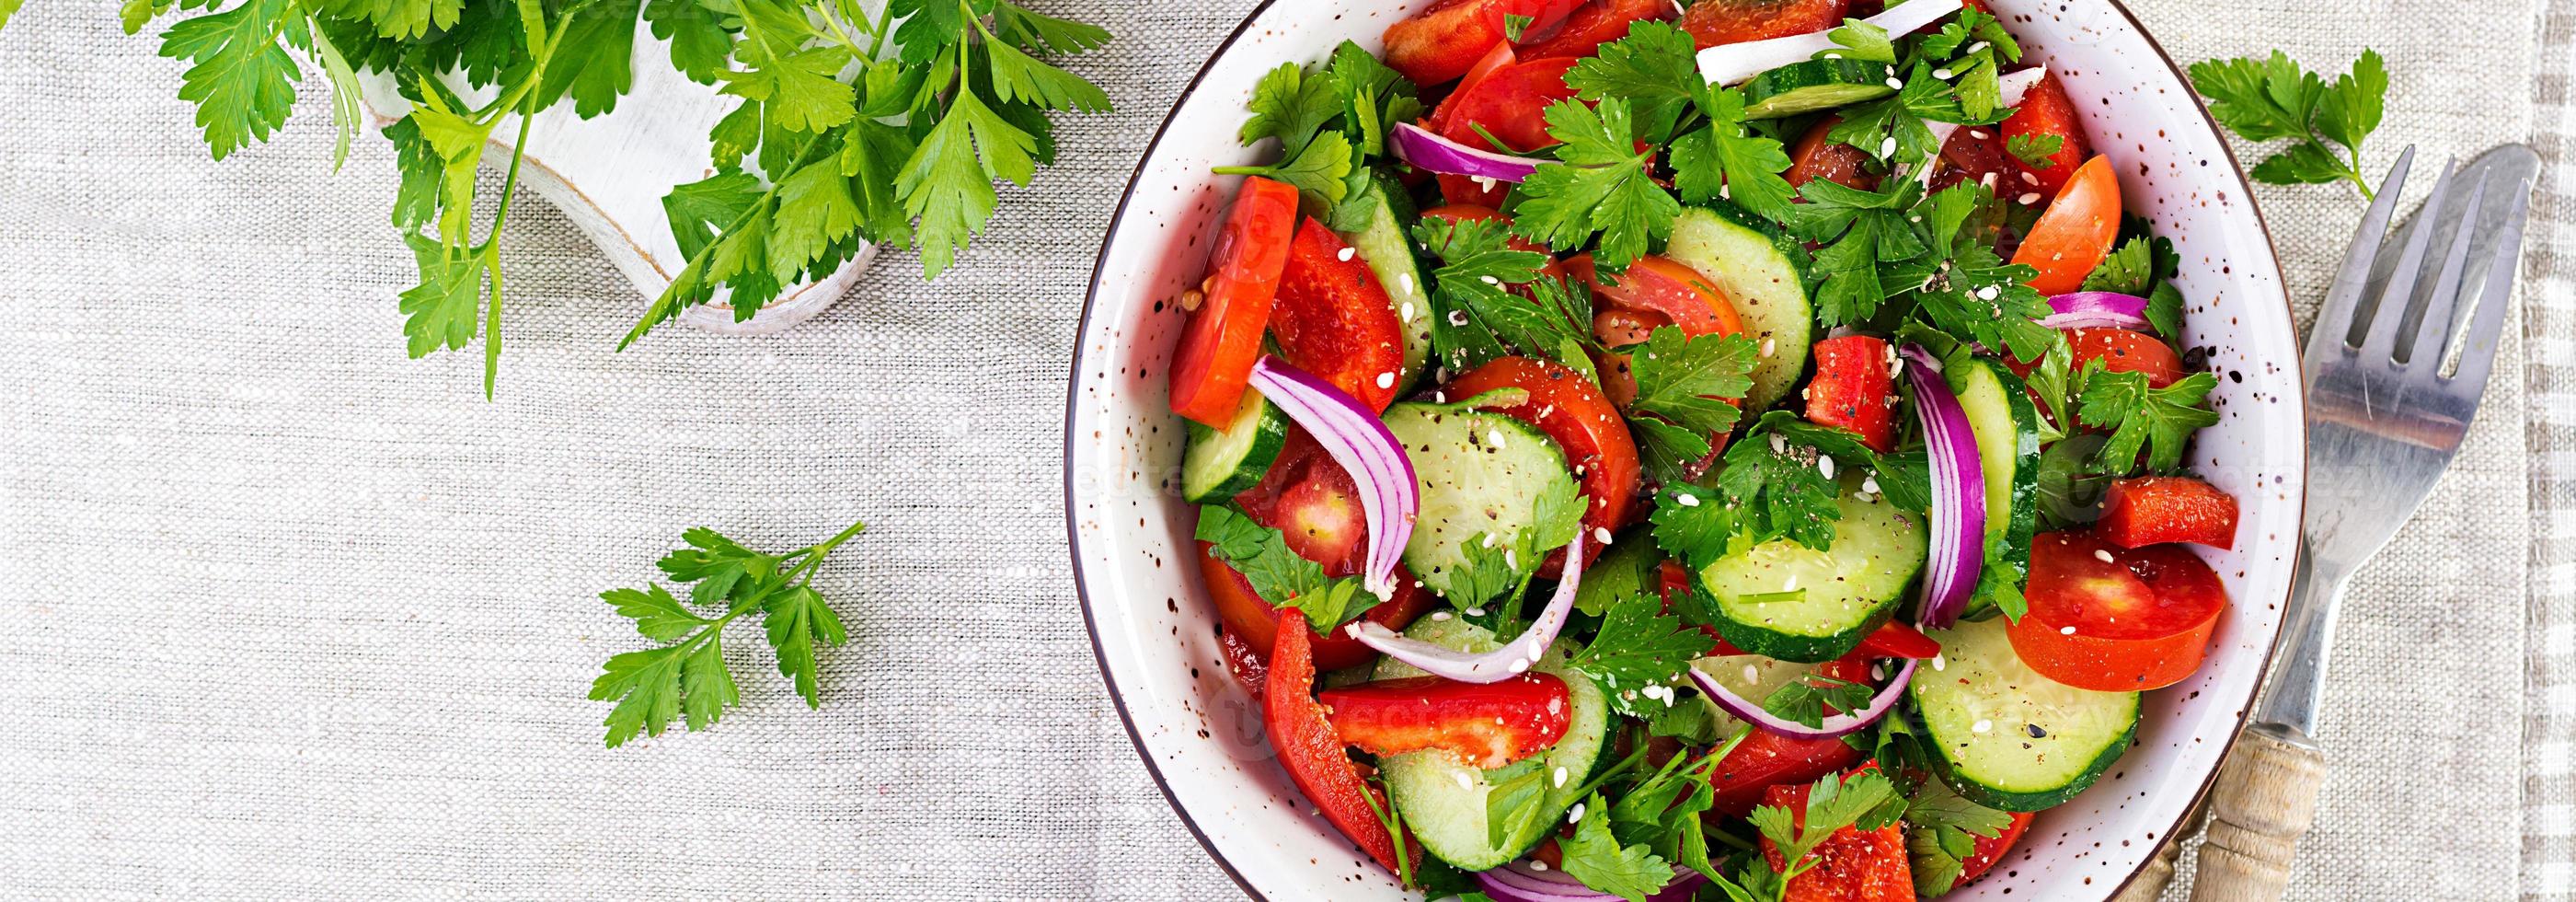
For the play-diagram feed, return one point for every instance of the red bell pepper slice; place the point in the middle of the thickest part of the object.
(1852, 388)
(1488, 725)
(1311, 752)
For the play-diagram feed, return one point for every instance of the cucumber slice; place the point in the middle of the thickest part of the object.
(1788, 601)
(1444, 801)
(1222, 462)
(1389, 253)
(2006, 425)
(1480, 473)
(1756, 267)
(1815, 85)
(2006, 737)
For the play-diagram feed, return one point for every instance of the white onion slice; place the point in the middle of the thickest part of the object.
(1361, 443)
(1494, 666)
(1727, 64)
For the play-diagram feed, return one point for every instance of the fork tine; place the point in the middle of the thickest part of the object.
(2477, 358)
(2390, 307)
(2334, 320)
(2433, 334)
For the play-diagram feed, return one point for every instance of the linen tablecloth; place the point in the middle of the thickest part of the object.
(285, 615)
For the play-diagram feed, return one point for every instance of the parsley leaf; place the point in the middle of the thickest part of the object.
(2159, 420)
(1861, 40)
(2035, 151)
(1941, 834)
(243, 82)
(1806, 698)
(1969, 291)
(1374, 97)
(1601, 187)
(1865, 800)
(1277, 573)
(1861, 233)
(1597, 858)
(1320, 171)
(1477, 317)
(2273, 98)
(1291, 107)
(1681, 386)
(1640, 654)
(1724, 161)
(1654, 68)
(686, 674)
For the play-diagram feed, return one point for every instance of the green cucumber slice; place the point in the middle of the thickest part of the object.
(1788, 601)
(1222, 462)
(2006, 737)
(1389, 254)
(1815, 85)
(2006, 424)
(1756, 267)
(1480, 474)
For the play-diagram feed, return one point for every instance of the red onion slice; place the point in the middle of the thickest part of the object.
(1836, 726)
(1361, 443)
(1429, 152)
(1493, 666)
(1727, 64)
(1958, 515)
(2098, 309)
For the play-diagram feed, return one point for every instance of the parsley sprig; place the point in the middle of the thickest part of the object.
(1278, 573)
(1640, 654)
(889, 128)
(2274, 98)
(1682, 382)
(686, 677)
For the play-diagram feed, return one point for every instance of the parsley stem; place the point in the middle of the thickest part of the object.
(667, 306)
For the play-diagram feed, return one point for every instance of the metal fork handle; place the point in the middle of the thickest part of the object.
(2265, 799)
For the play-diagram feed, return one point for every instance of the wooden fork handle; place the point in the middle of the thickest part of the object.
(2149, 885)
(2264, 801)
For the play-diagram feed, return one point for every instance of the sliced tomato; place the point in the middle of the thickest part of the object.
(2116, 619)
(1853, 389)
(1443, 40)
(1223, 337)
(1510, 105)
(1767, 760)
(1818, 157)
(1249, 620)
(2124, 351)
(1486, 725)
(1334, 320)
(2044, 113)
(1853, 865)
(1991, 849)
(1310, 751)
(1584, 425)
(1974, 154)
(2158, 509)
(1714, 22)
(1661, 286)
(1248, 664)
(1493, 60)
(1596, 23)
(2076, 231)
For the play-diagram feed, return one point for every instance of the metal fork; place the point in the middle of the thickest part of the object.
(2388, 403)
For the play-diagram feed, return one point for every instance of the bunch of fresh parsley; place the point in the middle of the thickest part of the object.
(887, 127)
(686, 676)
(2268, 99)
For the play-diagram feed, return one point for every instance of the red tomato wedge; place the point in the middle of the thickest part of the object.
(1502, 55)
(1584, 425)
(2158, 509)
(1976, 155)
(1853, 865)
(1654, 292)
(1714, 22)
(1311, 752)
(1443, 40)
(2076, 231)
(1596, 23)
(1487, 725)
(1223, 337)
(1817, 157)
(1248, 619)
(2123, 351)
(1315, 506)
(1510, 104)
(1853, 388)
(1334, 320)
(1991, 849)
(1766, 760)
(2047, 112)
(2116, 619)
(1896, 640)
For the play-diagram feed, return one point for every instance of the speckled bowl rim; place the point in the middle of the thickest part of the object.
(1073, 397)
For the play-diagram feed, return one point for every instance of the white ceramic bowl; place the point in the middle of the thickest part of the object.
(1201, 734)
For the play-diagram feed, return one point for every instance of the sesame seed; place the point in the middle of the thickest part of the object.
(1559, 776)
(1404, 280)
(1386, 380)
(1980, 726)
(1537, 865)
(1575, 814)
(1601, 534)
(1687, 500)
(1405, 311)
(1887, 148)
(1191, 299)
(2029, 179)
(1894, 82)
(1346, 254)
(2104, 555)
(1989, 293)
(1942, 74)
(1940, 663)
(2029, 199)
(2066, 631)
(1464, 781)
(1437, 616)
(1977, 133)
(1489, 280)
(1825, 465)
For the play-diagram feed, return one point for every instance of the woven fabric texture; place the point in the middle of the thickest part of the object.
(286, 615)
